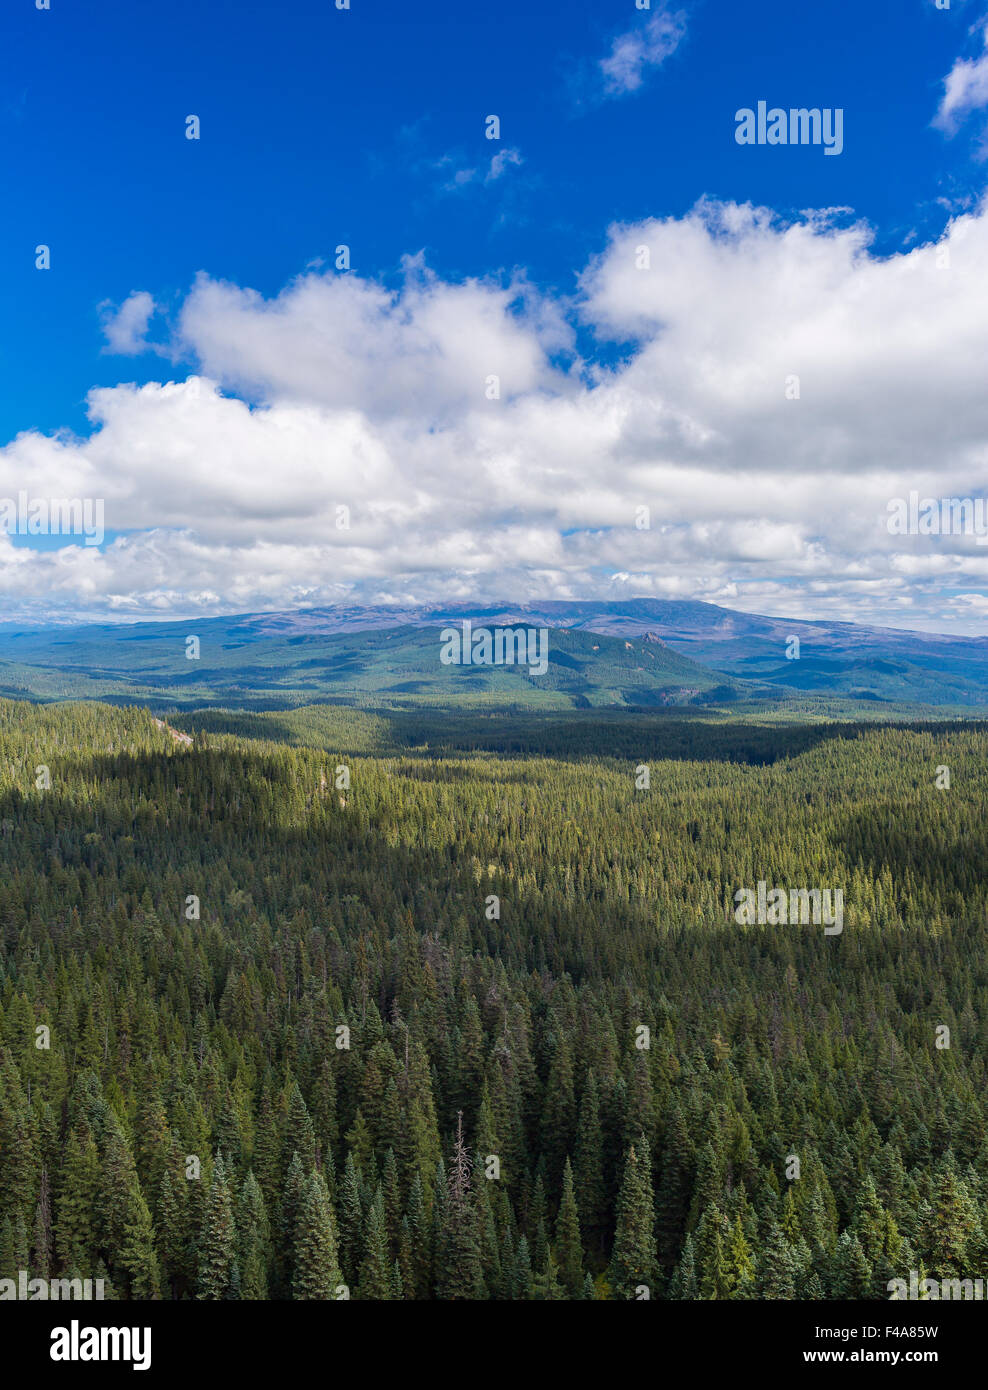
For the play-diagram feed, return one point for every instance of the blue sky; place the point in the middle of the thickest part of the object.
(366, 127)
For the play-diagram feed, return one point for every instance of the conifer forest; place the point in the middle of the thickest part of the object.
(331, 1014)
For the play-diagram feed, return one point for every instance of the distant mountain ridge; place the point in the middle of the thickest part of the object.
(256, 662)
(669, 619)
(837, 658)
(647, 651)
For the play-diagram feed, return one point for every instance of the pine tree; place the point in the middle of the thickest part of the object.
(217, 1239)
(375, 1268)
(559, 1121)
(713, 1269)
(41, 1248)
(8, 1266)
(253, 1240)
(633, 1261)
(777, 1267)
(588, 1176)
(317, 1272)
(569, 1250)
(458, 1274)
(174, 1231)
(675, 1186)
(137, 1256)
(683, 1286)
(852, 1272)
(351, 1221)
(740, 1266)
(300, 1134)
(125, 1220)
(523, 1271)
(420, 1240)
(291, 1205)
(74, 1206)
(953, 1223)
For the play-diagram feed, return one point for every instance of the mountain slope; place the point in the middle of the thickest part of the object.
(845, 659)
(681, 652)
(382, 667)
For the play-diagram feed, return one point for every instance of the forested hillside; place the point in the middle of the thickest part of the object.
(149, 664)
(279, 1019)
(634, 651)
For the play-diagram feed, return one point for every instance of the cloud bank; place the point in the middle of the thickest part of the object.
(756, 392)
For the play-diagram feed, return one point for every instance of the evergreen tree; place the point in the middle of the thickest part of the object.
(777, 1268)
(317, 1272)
(458, 1274)
(375, 1269)
(852, 1272)
(217, 1239)
(41, 1248)
(569, 1251)
(633, 1262)
(253, 1240)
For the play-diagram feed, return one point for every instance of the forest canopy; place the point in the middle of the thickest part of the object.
(310, 1012)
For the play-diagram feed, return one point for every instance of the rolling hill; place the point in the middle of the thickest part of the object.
(382, 667)
(639, 652)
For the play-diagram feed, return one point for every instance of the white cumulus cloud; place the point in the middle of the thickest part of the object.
(965, 89)
(758, 389)
(126, 325)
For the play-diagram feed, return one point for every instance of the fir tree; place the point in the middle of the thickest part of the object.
(633, 1262)
(253, 1238)
(569, 1251)
(217, 1239)
(375, 1268)
(317, 1272)
(458, 1274)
